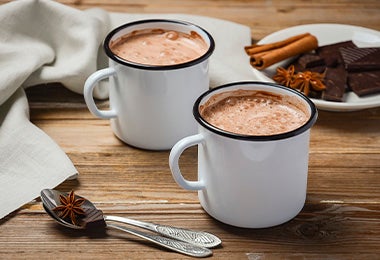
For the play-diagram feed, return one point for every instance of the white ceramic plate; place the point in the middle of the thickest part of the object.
(328, 34)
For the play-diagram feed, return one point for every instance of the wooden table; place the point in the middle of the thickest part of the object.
(341, 218)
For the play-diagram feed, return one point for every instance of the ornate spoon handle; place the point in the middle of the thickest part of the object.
(199, 238)
(172, 244)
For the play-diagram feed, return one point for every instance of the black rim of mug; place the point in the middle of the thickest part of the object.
(114, 57)
(295, 132)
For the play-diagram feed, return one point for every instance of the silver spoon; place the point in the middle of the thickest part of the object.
(198, 238)
(193, 241)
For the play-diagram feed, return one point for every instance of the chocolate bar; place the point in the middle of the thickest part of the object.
(360, 59)
(364, 82)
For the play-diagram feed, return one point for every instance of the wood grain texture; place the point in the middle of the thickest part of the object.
(341, 218)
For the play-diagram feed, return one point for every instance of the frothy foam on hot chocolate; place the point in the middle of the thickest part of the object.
(250, 112)
(159, 47)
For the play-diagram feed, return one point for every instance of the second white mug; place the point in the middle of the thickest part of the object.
(150, 105)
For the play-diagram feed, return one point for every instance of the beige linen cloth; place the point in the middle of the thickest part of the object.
(44, 42)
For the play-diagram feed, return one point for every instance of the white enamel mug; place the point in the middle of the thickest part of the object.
(248, 181)
(150, 105)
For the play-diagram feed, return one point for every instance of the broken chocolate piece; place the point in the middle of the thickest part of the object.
(330, 53)
(360, 59)
(335, 81)
(310, 60)
(93, 218)
(364, 82)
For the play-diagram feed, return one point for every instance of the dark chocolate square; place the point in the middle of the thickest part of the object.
(364, 82)
(336, 84)
(310, 60)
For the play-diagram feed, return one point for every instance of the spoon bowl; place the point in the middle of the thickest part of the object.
(93, 216)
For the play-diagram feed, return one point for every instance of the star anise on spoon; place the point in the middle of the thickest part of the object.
(70, 207)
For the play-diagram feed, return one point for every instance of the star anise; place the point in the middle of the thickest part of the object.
(284, 76)
(304, 81)
(70, 207)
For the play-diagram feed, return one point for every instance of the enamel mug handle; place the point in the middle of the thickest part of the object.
(89, 86)
(175, 153)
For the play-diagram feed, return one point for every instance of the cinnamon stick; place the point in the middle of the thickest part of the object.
(263, 56)
(256, 48)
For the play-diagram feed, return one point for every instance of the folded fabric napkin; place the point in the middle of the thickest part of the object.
(44, 42)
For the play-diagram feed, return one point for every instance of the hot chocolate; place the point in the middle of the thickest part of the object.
(250, 112)
(159, 47)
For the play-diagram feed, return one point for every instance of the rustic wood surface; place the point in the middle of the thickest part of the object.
(341, 218)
